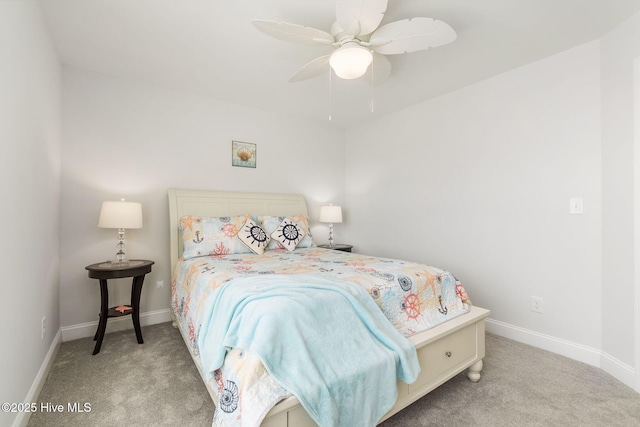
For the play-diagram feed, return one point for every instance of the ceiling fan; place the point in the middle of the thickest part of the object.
(359, 41)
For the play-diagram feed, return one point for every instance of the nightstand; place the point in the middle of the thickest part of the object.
(338, 247)
(102, 271)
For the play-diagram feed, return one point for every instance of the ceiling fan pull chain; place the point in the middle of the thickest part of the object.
(372, 85)
(330, 95)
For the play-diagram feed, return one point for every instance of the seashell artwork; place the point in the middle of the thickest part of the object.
(243, 154)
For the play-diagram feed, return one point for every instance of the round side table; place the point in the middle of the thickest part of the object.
(103, 271)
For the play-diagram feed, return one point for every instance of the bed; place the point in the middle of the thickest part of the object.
(442, 351)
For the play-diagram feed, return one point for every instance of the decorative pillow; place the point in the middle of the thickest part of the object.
(212, 235)
(271, 223)
(288, 234)
(254, 237)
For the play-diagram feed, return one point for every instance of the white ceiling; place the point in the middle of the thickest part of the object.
(210, 47)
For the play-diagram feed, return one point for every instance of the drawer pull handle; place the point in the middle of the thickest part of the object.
(447, 353)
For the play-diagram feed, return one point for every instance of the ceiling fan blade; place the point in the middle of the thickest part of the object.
(378, 71)
(293, 32)
(311, 69)
(360, 17)
(410, 35)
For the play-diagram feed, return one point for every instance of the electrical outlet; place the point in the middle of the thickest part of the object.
(576, 206)
(44, 328)
(537, 304)
(160, 284)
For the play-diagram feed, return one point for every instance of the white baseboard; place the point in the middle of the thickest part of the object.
(84, 330)
(618, 370)
(32, 396)
(589, 355)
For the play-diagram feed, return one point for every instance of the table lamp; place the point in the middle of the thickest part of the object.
(332, 215)
(120, 215)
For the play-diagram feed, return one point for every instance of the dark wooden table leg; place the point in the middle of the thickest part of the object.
(104, 314)
(136, 291)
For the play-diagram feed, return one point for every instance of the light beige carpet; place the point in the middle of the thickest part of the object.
(157, 384)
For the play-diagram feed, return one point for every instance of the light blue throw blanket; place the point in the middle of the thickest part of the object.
(325, 341)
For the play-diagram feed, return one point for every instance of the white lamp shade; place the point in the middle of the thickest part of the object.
(331, 214)
(350, 61)
(120, 215)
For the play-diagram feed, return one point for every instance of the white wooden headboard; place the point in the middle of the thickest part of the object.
(225, 203)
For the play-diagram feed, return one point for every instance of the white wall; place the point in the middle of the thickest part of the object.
(128, 140)
(478, 182)
(30, 81)
(619, 50)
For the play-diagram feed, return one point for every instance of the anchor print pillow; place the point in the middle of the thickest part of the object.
(203, 236)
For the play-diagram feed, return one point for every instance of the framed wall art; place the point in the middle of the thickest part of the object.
(243, 154)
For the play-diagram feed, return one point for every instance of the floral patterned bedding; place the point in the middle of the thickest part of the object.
(414, 297)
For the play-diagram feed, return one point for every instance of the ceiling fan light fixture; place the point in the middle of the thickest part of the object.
(350, 60)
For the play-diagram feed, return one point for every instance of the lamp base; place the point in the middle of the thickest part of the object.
(331, 235)
(120, 256)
